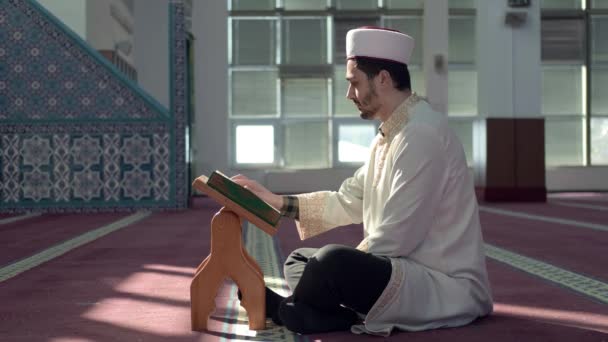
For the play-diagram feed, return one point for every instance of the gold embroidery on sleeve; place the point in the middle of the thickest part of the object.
(311, 214)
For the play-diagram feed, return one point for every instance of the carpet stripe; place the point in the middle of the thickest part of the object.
(23, 265)
(581, 205)
(574, 281)
(534, 217)
(18, 218)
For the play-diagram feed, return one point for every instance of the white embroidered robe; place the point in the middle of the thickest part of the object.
(416, 200)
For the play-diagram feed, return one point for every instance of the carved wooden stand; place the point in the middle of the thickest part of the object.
(228, 259)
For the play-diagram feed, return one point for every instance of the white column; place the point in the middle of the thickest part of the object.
(151, 47)
(210, 128)
(508, 138)
(435, 53)
(508, 61)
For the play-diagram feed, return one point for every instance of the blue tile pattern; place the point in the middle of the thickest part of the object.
(48, 74)
(75, 134)
(179, 99)
(105, 167)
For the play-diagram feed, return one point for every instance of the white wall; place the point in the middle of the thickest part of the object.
(577, 178)
(436, 45)
(151, 47)
(72, 13)
(210, 133)
(103, 30)
(508, 62)
(102, 23)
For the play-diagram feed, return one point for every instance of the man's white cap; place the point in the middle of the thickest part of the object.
(379, 43)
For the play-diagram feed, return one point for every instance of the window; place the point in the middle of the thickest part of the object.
(564, 138)
(563, 84)
(404, 4)
(249, 98)
(251, 5)
(306, 144)
(353, 142)
(599, 83)
(287, 69)
(598, 4)
(356, 4)
(304, 41)
(254, 144)
(253, 41)
(573, 94)
(599, 140)
(561, 4)
(287, 87)
(304, 4)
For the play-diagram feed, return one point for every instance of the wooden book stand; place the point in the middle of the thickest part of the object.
(228, 258)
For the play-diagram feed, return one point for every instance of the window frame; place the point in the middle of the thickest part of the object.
(279, 121)
(591, 13)
(584, 13)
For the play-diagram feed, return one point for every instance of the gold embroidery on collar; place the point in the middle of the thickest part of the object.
(399, 117)
(388, 130)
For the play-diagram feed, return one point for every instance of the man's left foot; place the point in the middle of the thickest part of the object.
(273, 300)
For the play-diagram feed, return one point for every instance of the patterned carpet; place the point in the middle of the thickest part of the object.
(126, 277)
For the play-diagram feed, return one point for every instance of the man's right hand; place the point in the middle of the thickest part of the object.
(274, 200)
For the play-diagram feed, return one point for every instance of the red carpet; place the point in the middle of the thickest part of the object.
(553, 209)
(23, 238)
(133, 284)
(579, 249)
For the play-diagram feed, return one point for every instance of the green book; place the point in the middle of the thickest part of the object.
(243, 197)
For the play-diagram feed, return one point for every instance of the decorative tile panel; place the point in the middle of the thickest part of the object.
(49, 73)
(10, 167)
(111, 168)
(75, 134)
(179, 99)
(84, 167)
(61, 167)
(161, 170)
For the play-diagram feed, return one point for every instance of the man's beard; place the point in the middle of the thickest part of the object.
(370, 113)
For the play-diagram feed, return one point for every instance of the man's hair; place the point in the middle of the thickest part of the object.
(398, 71)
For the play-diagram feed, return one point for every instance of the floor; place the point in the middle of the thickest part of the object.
(126, 276)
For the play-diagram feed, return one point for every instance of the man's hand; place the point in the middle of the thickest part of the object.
(274, 200)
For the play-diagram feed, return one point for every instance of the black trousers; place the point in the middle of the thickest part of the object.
(336, 275)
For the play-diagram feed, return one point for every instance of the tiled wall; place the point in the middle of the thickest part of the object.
(75, 134)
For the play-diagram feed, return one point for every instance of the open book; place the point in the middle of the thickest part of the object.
(235, 197)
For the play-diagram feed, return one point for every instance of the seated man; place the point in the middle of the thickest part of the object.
(421, 264)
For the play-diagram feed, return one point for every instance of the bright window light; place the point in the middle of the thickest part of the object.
(255, 144)
(584, 111)
(354, 142)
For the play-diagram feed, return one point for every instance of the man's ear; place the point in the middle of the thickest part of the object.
(385, 78)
